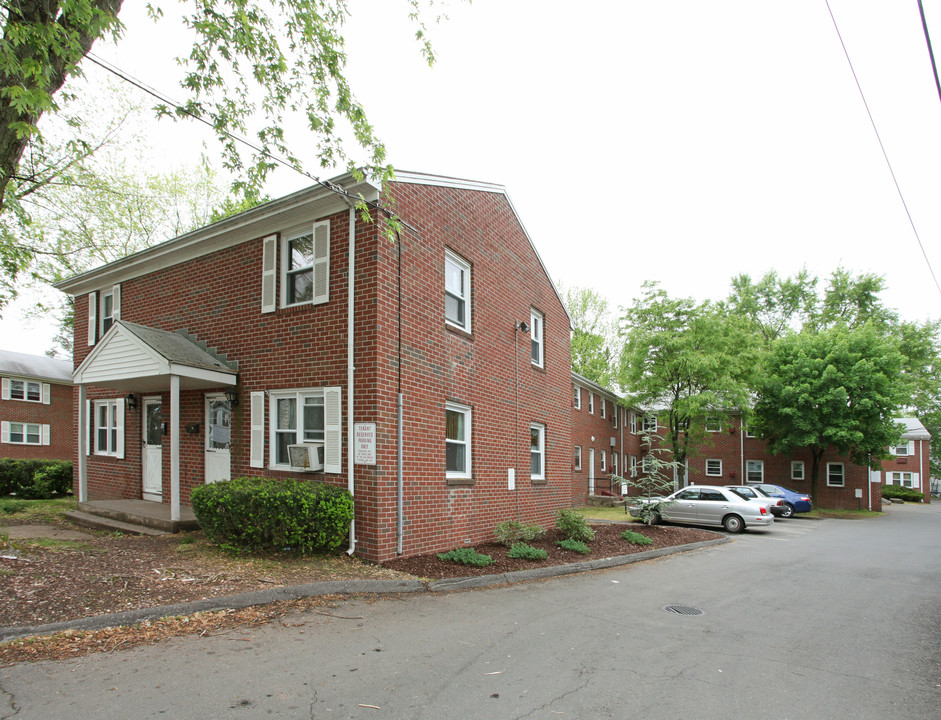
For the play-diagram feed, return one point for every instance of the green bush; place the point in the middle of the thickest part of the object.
(636, 538)
(256, 513)
(35, 479)
(574, 545)
(466, 556)
(573, 525)
(513, 531)
(522, 551)
(902, 493)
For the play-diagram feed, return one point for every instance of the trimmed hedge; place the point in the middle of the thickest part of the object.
(266, 514)
(35, 479)
(902, 493)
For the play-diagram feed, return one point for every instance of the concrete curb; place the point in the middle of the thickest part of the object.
(342, 587)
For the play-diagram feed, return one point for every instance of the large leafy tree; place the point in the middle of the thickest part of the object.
(838, 388)
(593, 335)
(683, 360)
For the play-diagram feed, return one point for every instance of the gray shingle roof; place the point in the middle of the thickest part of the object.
(35, 366)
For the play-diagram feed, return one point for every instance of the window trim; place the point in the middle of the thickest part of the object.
(649, 420)
(633, 423)
(466, 442)
(591, 403)
(41, 433)
(614, 463)
(794, 465)
(578, 458)
(842, 474)
(604, 461)
(540, 450)
(632, 464)
(577, 397)
(713, 424)
(537, 337)
(761, 464)
(465, 266)
(714, 474)
(318, 296)
(114, 438)
(603, 403)
(43, 390)
(909, 449)
(298, 395)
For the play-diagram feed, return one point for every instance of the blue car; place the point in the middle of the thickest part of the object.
(794, 502)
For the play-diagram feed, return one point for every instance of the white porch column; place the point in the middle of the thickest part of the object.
(174, 447)
(82, 445)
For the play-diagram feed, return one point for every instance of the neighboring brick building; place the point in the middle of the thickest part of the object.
(35, 407)
(208, 356)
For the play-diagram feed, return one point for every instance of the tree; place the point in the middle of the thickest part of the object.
(775, 306)
(839, 388)
(684, 361)
(593, 331)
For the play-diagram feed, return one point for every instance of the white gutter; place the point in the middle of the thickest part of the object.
(350, 372)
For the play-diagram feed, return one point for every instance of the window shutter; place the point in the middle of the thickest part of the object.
(89, 426)
(92, 316)
(332, 430)
(116, 303)
(45, 434)
(269, 274)
(119, 424)
(46, 394)
(5, 392)
(4, 431)
(257, 441)
(321, 261)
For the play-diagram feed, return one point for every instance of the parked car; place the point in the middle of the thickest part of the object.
(774, 504)
(794, 502)
(707, 505)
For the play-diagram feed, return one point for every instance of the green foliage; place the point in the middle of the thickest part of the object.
(574, 545)
(593, 335)
(522, 551)
(35, 479)
(636, 538)
(466, 556)
(513, 531)
(902, 493)
(573, 525)
(266, 514)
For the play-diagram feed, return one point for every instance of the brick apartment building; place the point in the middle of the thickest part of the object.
(35, 407)
(296, 333)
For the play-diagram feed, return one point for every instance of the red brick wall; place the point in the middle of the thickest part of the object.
(919, 463)
(591, 431)
(57, 414)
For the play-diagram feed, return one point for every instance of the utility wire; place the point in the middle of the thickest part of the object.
(333, 187)
(934, 68)
(882, 146)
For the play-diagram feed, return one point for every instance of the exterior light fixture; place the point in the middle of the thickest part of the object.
(522, 326)
(232, 395)
(131, 400)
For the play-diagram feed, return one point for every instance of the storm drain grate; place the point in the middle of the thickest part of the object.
(683, 610)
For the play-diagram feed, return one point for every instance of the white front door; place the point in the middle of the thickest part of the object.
(218, 438)
(152, 450)
(591, 471)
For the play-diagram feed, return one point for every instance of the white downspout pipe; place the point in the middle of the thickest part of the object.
(175, 448)
(83, 443)
(350, 371)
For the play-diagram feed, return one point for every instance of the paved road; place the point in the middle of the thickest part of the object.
(810, 619)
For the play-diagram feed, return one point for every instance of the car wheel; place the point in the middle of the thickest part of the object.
(788, 510)
(733, 523)
(653, 519)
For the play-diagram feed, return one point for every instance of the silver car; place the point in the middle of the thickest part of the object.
(774, 505)
(708, 505)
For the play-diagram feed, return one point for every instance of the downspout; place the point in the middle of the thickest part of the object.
(741, 449)
(400, 443)
(350, 370)
(869, 481)
(921, 472)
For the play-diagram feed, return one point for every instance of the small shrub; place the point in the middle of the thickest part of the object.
(522, 551)
(466, 556)
(573, 525)
(902, 493)
(574, 545)
(513, 531)
(636, 538)
(35, 479)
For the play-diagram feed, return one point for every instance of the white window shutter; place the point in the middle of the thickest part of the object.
(45, 434)
(257, 441)
(92, 317)
(5, 392)
(332, 430)
(321, 262)
(119, 424)
(269, 273)
(116, 303)
(89, 426)
(4, 431)
(46, 397)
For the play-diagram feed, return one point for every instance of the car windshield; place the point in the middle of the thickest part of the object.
(746, 493)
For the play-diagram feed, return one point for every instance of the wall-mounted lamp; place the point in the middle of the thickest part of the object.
(521, 325)
(232, 395)
(131, 400)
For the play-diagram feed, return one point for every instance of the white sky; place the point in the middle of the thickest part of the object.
(683, 142)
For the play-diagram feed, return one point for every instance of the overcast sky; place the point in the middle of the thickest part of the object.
(682, 142)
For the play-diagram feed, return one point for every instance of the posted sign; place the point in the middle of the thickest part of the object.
(364, 443)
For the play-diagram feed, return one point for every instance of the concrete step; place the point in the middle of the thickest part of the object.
(101, 522)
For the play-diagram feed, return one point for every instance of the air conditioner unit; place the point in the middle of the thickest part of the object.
(614, 441)
(307, 457)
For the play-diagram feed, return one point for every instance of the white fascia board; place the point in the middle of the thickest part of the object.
(211, 377)
(312, 202)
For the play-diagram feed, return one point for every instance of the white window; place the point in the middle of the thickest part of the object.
(614, 463)
(755, 471)
(457, 289)
(646, 464)
(835, 474)
(713, 424)
(604, 461)
(714, 468)
(797, 469)
(297, 416)
(633, 424)
(905, 479)
(633, 465)
(591, 403)
(27, 390)
(578, 397)
(537, 451)
(903, 448)
(603, 412)
(748, 432)
(650, 424)
(107, 311)
(578, 457)
(305, 266)
(457, 440)
(109, 427)
(615, 411)
(536, 337)
(19, 433)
